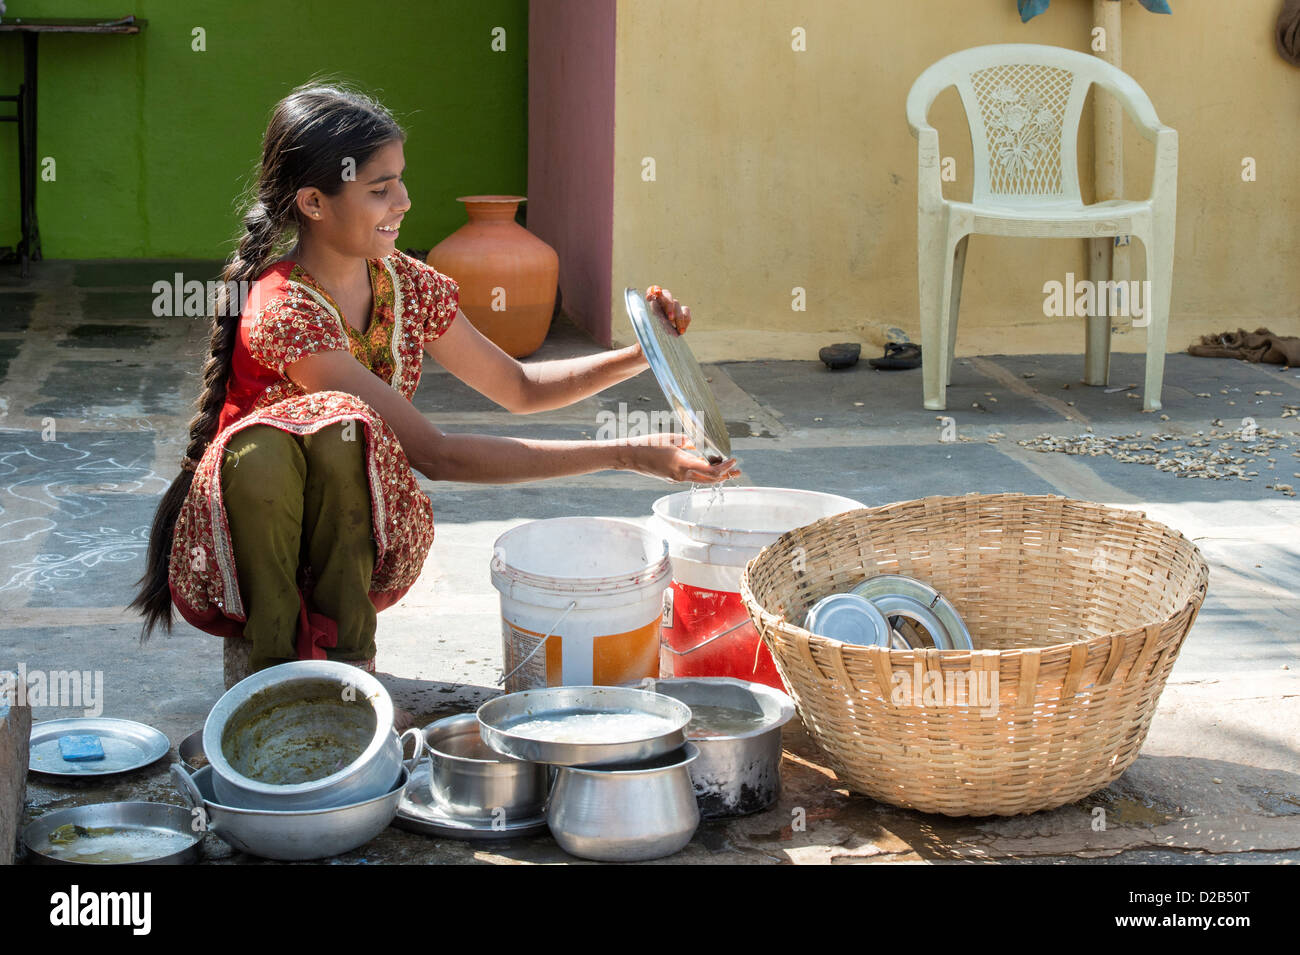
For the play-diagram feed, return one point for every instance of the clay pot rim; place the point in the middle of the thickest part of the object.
(497, 198)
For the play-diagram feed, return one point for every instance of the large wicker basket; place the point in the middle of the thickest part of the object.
(1077, 610)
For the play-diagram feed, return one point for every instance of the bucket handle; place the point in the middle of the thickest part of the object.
(708, 640)
(541, 643)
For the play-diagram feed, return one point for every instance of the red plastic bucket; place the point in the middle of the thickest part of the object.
(712, 534)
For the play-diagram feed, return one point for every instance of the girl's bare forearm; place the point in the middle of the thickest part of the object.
(488, 459)
(561, 382)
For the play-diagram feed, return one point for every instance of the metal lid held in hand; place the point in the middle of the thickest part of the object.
(680, 377)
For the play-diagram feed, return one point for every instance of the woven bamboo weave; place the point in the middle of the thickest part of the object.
(1077, 611)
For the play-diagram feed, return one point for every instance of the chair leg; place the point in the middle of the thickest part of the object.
(958, 269)
(934, 256)
(1096, 355)
(1160, 275)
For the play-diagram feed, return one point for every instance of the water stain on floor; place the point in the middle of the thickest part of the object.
(101, 335)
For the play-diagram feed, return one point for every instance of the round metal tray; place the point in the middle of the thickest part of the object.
(848, 618)
(681, 379)
(920, 595)
(127, 745)
(496, 717)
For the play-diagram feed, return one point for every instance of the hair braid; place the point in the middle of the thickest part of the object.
(254, 252)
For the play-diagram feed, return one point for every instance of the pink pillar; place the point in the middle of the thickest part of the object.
(571, 149)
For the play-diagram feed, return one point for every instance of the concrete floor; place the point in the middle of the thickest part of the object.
(1218, 780)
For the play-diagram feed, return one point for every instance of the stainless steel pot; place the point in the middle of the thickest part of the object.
(737, 773)
(472, 781)
(312, 734)
(626, 812)
(190, 750)
(289, 836)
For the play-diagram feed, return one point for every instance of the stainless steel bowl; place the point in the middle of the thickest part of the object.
(499, 717)
(739, 771)
(143, 833)
(311, 734)
(472, 781)
(625, 812)
(292, 836)
(190, 750)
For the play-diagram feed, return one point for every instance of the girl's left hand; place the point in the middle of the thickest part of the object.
(676, 313)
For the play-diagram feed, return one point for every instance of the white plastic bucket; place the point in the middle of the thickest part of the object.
(711, 535)
(581, 601)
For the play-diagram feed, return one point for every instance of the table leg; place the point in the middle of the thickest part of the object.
(30, 247)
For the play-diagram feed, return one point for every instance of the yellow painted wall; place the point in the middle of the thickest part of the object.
(777, 168)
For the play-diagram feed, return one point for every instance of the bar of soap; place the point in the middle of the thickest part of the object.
(80, 748)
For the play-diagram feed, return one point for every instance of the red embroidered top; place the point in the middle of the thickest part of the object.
(287, 317)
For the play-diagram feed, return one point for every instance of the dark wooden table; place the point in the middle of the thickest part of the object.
(29, 247)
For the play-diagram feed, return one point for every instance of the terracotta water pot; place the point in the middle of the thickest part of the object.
(507, 275)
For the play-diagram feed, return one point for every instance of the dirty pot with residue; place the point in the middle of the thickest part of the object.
(311, 734)
(736, 724)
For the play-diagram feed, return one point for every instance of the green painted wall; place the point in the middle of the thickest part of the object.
(154, 142)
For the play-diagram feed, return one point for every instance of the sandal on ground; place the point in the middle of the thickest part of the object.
(843, 355)
(898, 356)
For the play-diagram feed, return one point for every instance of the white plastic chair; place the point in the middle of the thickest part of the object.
(1022, 104)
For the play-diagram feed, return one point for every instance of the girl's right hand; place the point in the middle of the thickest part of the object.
(666, 456)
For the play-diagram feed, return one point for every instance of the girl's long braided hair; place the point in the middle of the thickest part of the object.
(316, 133)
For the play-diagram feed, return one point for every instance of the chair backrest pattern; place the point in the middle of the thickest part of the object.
(1024, 113)
(1023, 102)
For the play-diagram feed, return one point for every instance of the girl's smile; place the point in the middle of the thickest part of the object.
(385, 190)
(363, 219)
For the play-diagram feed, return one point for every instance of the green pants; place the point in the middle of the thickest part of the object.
(295, 502)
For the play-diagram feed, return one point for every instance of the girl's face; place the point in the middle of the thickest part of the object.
(361, 220)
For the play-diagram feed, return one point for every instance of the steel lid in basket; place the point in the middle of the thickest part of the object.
(897, 595)
(849, 618)
(679, 375)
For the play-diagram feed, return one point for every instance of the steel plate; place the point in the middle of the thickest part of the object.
(848, 619)
(127, 745)
(680, 377)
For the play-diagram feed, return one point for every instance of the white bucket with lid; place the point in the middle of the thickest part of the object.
(581, 601)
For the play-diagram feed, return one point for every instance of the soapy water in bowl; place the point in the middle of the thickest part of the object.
(113, 845)
(714, 721)
(591, 728)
